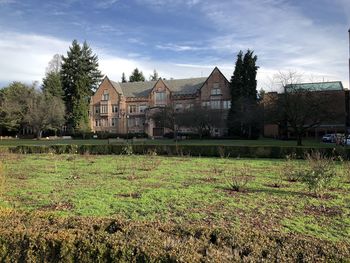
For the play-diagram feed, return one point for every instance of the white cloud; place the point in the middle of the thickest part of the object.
(178, 48)
(105, 3)
(24, 57)
(281, 35)
(4, 2)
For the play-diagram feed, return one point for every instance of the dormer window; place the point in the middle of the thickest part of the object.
(105, 95)
(216, 89)
(160, 98)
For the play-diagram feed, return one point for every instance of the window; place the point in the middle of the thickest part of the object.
(142, 108)
(114, 122)
(104, 109)
(178, 107)
(189, 106)
(114, 108)
(97, 109)
(131, 122)
(216, 91)
(215, 104)
(132, 108)
(160, 98)
(205, 104)
(97, 123)
(226, 104)
(105, 95)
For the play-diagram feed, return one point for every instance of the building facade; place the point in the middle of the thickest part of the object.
(338, 104)
(124, 108)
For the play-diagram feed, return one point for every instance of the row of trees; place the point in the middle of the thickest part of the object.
(137, 75)
(63, 98)
(27, 107)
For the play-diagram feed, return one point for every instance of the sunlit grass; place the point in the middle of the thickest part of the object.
(174, 189)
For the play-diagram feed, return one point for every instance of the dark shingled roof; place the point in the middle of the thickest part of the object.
(317, 86)
(143, 89)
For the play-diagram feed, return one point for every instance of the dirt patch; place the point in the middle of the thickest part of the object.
(231, 192)
(276, 185)
(129, 195)
(60, 206)
(320, 196)
(209, 179)
(323, 210)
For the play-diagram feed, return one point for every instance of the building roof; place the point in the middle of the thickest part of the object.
(317, 86)
(143, 89)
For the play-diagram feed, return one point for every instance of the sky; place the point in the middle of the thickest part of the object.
(178, 38)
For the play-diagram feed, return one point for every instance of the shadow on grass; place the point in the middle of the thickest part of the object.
(272, 191)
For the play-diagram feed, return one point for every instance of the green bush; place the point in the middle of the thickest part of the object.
(188, 150)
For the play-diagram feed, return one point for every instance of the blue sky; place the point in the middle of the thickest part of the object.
(178, 38)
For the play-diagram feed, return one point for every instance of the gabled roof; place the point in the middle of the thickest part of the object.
(317, 86)
(176, 86)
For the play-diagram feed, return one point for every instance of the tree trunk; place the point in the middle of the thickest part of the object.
(39, 134)
(299, 140)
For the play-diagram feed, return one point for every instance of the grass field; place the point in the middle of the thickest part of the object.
(174, 189)
(260, 142)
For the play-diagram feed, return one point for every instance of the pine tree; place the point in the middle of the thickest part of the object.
(136, 75)
(52, 84)
(242, 119)
(80, 77)
(123, 78)
(155, 76)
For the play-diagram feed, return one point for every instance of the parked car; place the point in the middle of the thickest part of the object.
(347, 140)
(337, 138)
(329, 138)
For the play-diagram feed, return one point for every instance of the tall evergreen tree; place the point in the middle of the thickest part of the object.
(243, 119)
(154, 76)
(80, 77)
(136, 75)
(52, 84)
(123, 78)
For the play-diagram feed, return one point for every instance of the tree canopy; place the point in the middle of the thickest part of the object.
(136, 75)
(80, 77)
(242, 119)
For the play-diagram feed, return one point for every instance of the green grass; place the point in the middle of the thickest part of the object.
(260, 142)
(180, 190)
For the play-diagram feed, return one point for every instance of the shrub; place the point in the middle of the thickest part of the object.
(319, 174)
(240, 178)
(127, 149)
(41, 237)
(289, 171)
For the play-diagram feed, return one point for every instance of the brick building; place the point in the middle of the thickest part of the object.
(125, 107)
(338, 103)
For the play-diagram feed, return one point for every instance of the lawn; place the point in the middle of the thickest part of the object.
(259, 142)
(181, 190)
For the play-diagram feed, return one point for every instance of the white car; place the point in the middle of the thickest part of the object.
(347, 140)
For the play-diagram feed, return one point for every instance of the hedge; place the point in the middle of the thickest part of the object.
(43, 237)
(187, 150)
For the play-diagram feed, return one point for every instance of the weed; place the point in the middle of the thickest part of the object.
(319, 174)
(127, 149)
(240, 179)
(289, 171)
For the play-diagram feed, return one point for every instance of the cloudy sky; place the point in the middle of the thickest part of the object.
(178, 38)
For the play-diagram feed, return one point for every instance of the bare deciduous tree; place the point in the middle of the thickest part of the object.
(300, 108)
